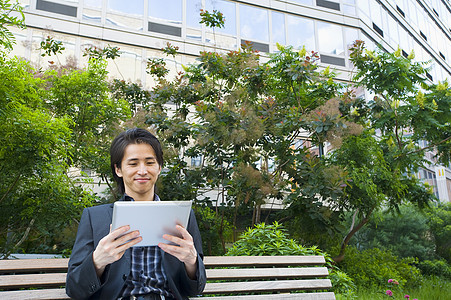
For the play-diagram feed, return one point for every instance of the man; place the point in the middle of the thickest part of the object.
(105, 265)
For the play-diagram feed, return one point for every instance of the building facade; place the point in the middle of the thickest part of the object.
(140, 28)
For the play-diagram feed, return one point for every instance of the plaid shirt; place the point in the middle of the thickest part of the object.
(147, 274)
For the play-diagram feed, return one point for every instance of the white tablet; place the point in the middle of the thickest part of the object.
(151, 218)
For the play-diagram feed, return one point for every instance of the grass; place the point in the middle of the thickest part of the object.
(432, 288)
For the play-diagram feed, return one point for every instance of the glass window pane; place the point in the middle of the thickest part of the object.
(278, 28)
(133, 7)
(228, 10)
(93, 3)
(351, 35)
(193, 8)
(306, 2)
(376, 16)
(169, 10)
(254, 23)
(300, 32)
(330, 38)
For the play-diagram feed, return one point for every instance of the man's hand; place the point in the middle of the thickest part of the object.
(112, 247)
(185, 251)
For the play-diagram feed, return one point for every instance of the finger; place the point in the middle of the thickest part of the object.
(129, 244)
(171, 249)
(185, 234)
(126, 237)
(176, 240)
(119, 231)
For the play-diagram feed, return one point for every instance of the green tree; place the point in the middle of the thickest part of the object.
(403, 112)
(245, 119)
(34, 147)
(9, 17)
(405, 234)
(439, 221)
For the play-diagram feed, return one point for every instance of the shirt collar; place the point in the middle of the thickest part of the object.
(126, 197)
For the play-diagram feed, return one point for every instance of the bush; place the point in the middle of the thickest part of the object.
(405, 234)
(342, 283)
(437, 268)
(372, 268)
(270, 240)
(214, 230)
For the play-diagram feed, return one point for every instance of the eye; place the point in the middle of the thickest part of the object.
(132, 164)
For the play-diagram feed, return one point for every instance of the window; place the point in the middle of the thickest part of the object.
(167, 10)
(278, 28)
(93, 3)
(254, 24)
(228, 10)
(300, 32)
(196, 161)
(193, 8)
(132, 7)
(330, 38)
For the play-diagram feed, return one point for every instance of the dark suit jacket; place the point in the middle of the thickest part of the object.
(82, 281)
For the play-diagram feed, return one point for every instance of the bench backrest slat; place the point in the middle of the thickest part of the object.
(297, 296)
(260, 273)
(34, 294)
(32, 280)
(33, 265)
(236, 261)
(266, 286)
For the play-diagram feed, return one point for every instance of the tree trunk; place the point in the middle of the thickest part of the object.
(350, 234)
(10, 187)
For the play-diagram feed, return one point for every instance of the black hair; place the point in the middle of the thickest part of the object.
(131, 136)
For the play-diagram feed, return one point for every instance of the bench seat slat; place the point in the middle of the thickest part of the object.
(260, 273)
(266, 286)
(296, 296)
(35, 294)
(33, 265)
(32, 280)
(236, 261)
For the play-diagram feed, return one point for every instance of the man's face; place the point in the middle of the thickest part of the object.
(139, 170)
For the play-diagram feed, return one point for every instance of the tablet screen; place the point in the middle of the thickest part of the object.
(151, 218)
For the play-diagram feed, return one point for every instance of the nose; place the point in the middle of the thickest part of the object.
(142, 169)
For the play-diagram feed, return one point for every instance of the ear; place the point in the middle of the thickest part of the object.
(119, 171)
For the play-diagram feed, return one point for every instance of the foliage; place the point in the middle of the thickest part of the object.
(429, 288)
(269, 240)
(8, 17)
(244, 123)
(52, 120)
(215, 230)
(34, 151)
(373, 267)
(439, 221)
(439, 268)
(83, 96)
(214, 19)
(51, 46)
(342, 283)
(96, 53)
(405, 234)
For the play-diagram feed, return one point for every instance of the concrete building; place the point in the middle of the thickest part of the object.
(142, 27)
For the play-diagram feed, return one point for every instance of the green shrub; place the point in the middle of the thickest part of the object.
(270, 240)
(214, 229)
(342, 283)
(405, 234)
(372, 268)
(437, 268)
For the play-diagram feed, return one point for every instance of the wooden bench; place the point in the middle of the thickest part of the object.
(236, 277)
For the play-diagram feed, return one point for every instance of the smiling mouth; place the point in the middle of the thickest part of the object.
(142, 179)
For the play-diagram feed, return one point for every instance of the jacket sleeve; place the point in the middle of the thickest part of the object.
(195, 287)
(82, 280)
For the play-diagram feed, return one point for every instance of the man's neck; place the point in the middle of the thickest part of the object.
(142, 197)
